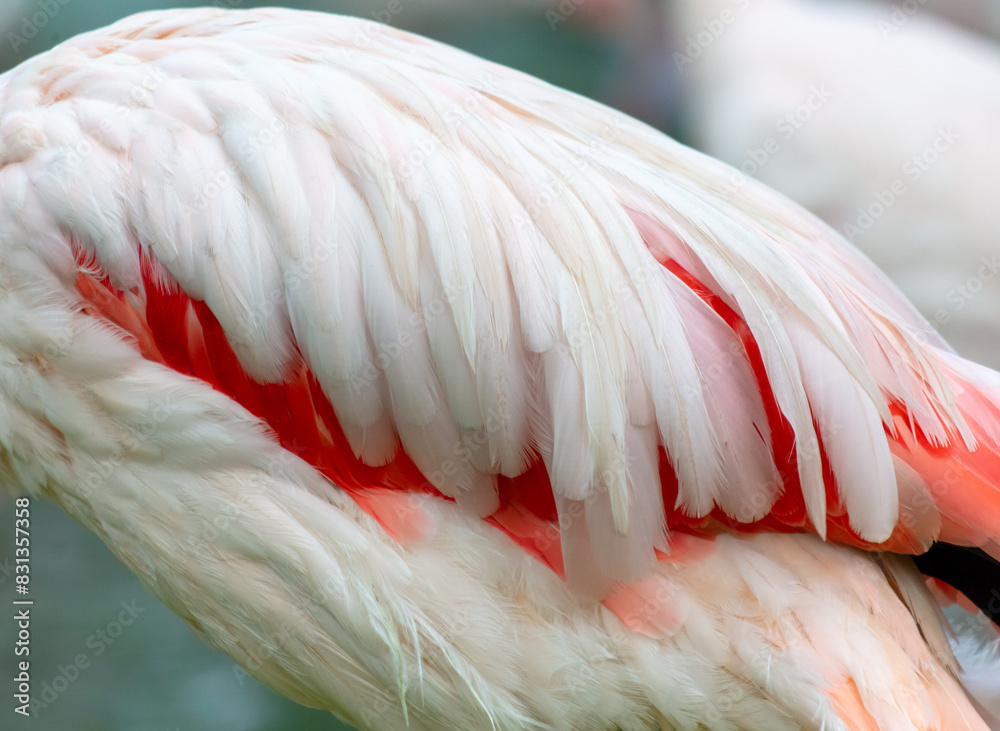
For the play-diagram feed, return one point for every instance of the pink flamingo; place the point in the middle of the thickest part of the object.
(441, 398)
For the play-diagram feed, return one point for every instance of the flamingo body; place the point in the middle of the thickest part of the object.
(441, 398)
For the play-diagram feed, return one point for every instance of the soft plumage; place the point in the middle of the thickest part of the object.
(470, 373)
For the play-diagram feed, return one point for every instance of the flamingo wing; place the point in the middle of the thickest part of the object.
(483, 287)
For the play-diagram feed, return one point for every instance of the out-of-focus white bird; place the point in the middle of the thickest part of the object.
(443, 399)
(879, 119)
(981, 16)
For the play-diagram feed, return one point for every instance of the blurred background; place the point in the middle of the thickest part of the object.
(882, 117)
